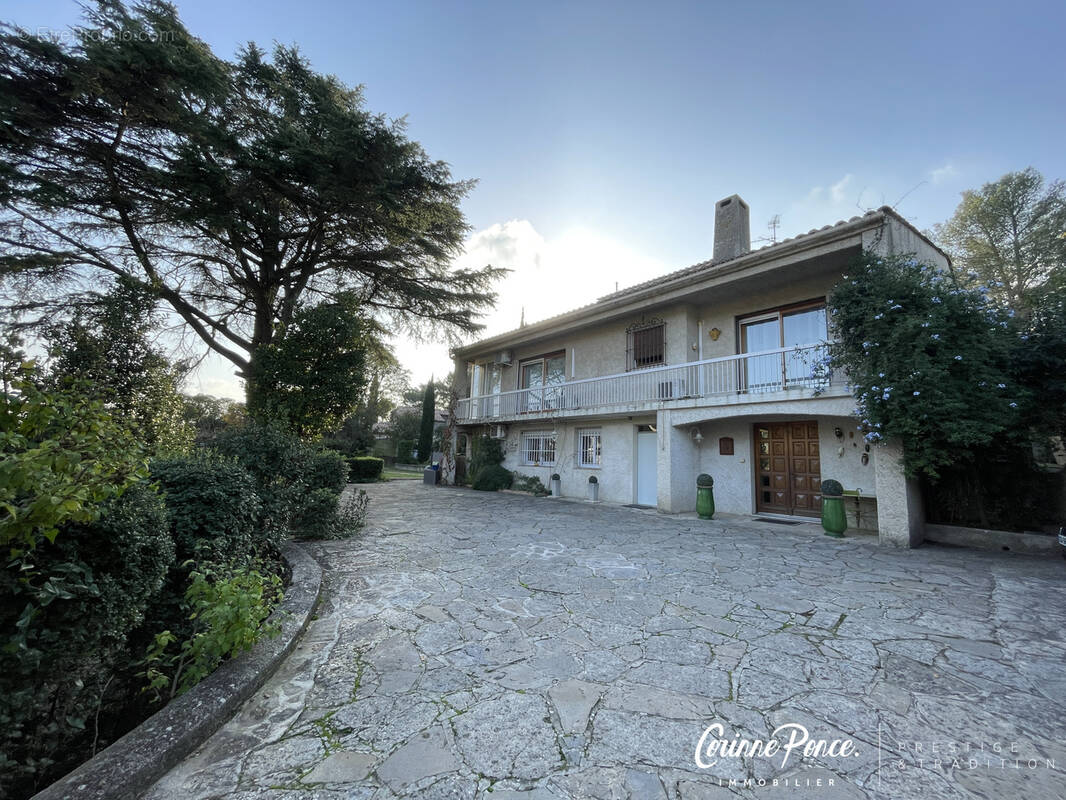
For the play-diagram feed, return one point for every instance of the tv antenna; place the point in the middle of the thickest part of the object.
(773, 225)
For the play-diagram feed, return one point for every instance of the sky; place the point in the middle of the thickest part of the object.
(602, 133)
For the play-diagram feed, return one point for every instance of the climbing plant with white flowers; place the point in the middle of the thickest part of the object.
(927, 360)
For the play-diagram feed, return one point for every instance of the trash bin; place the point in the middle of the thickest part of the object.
(431, 475)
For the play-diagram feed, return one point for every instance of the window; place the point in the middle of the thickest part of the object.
(538, 376)
(646, 345)
(538, 447)
(792, 326)
(589, 448)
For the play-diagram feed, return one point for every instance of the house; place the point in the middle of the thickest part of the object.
(716, 368)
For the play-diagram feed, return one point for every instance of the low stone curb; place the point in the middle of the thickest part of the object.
(127, 768)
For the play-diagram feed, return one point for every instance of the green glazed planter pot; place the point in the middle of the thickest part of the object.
(834, 520)
(705, 502)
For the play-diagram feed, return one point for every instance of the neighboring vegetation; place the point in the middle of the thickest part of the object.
(364, 469)
(425, 432)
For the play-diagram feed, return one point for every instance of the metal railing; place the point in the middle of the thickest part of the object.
(802, 367)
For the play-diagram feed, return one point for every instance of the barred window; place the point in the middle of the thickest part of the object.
(589, 448)
(646, 346)
(538, 447)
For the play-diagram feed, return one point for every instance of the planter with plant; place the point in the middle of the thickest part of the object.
(556, 485)
(594, 488)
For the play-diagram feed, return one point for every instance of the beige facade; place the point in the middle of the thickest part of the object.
(652, 385)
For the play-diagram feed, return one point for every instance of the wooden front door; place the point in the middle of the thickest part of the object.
(787, 468)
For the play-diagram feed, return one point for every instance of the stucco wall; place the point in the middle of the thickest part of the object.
(615, 475)
(895, 237)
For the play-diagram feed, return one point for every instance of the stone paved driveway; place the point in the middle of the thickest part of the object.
(498, 646)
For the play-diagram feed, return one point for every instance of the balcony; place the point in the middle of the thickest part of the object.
(750, 376)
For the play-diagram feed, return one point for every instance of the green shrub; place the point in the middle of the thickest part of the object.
(364, 469)
(317, 515)
(832, 488)
(279, 463)
(328, 470)
(485, 452)
(213, 508)
(529, 483)
(64, 633)
(228, 608)
(493, 478)
(405, 451)
(61, 457)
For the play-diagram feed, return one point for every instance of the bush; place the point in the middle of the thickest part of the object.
(328, 470)
(927, 359)
(214, 509)
(279, 463)
(364, 469)
(529, 483)
(228, 608)
(493, 478)
(317, 515)
(300, 490)
(405, 451)
(485, 452)
(89, 590)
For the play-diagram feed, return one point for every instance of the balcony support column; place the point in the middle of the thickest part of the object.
(677, 466)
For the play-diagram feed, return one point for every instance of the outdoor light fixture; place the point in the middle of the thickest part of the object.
(714, 333)
(838, 433)
(697, 437)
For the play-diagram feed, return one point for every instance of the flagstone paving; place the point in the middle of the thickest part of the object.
(494, 646)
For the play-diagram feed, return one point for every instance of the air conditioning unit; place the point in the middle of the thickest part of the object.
(504, 358)
(672, 390)
(499, 431)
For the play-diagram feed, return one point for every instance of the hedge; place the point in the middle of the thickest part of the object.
(363, 469)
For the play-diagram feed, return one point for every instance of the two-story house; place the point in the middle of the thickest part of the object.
(715, 368)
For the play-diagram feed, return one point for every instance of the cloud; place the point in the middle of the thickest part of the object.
(943, 173)
(838, 189)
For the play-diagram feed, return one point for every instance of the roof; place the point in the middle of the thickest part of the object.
(812, 237)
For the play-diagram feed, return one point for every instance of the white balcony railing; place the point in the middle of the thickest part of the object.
(802, 367)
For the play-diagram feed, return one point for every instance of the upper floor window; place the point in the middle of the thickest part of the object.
(790, 326)
(543, 371)
(646, 344)
(801, 325)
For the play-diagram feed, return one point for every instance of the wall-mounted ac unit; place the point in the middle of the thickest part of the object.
(672, 390)
(504, 358)
(499, 431)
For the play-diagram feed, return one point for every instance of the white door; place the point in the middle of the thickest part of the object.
(647, 469)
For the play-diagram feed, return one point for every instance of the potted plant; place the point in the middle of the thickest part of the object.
(834, 519)
(705, 496)
(556, 489)
(594, 488)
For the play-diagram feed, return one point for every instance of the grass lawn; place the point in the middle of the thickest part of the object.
(395, 474)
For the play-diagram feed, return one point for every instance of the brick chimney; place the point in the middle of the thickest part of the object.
(732, 228)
